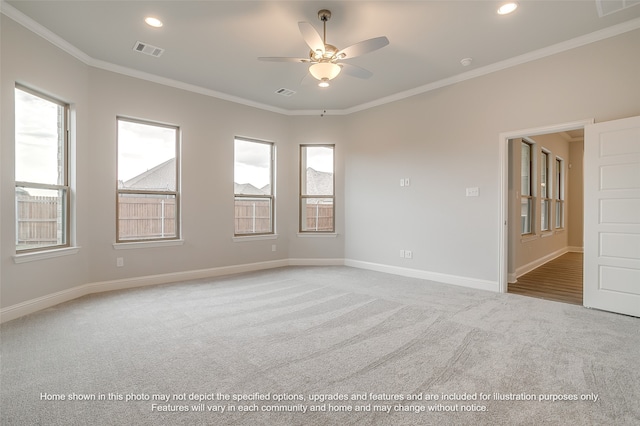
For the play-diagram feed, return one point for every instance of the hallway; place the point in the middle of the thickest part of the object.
(559, 280)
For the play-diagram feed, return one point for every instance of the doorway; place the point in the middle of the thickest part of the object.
(542, 212)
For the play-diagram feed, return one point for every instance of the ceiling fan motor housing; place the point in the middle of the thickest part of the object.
(324, 15)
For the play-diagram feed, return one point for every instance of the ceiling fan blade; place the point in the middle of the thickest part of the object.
(282, 59)
(311, 36)
(363, 47)
(355, 71)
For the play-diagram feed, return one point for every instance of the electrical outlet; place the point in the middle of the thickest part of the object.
(273, 247)
(408, 254)
(407, 182)
(120, 262)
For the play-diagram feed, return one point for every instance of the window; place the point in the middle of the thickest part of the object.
(526, 190)
(253, 187)
(545, 195)
(317, 205)
(41, 171)
(148, 197)
(559, 193)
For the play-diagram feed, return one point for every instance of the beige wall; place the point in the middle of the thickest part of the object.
(448, 140)
(445, 141)
(208, 126)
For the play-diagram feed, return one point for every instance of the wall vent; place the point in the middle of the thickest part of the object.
(285, 92)
(148, 49)
(607, 7)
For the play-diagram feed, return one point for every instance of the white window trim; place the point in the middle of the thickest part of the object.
(176, 193)
(245, 238)
(272, 197)
(147, 244)
(56, 250)
(301, 196)
(317, 234)
(47, 254)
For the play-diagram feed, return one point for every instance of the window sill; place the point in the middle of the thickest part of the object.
(147, 244)
(317, 234)
(528, 237)
(546, 234)
(46, 254)
(245, 238)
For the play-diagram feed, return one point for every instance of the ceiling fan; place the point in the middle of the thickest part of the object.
(325, 59)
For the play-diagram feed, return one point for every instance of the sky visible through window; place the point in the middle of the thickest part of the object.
(252, 162)
(142, 147)
(38, 139)
(320, 158)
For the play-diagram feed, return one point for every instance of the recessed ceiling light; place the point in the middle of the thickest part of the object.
(154, 22)
(507, 8)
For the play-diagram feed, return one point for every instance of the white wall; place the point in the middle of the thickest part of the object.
(448, 139)
(444, 141)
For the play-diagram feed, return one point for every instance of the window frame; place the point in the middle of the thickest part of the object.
(175, 193)
(545, 190)
(303, 197)
(559, 193)
(64, 187)
(270, 196)
(530, 197)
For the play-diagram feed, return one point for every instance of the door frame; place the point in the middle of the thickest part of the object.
(503, 140)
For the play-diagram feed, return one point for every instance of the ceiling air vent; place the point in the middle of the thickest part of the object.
(148, 49)
(607, 7)
(285, 92)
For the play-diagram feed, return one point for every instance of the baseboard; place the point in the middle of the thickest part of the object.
(30, 306)
(316, 262)
(426, 275)
(573, 249)
(539, 262)
(34, 305)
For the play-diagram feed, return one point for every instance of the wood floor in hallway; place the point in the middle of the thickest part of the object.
(559, 280)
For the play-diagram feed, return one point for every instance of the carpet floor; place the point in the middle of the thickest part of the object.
(318, 346)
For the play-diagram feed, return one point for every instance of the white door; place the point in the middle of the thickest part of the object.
(612, 216)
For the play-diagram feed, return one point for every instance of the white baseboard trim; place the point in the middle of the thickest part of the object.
(573, 249)
(316, 262)
(426, 275)
(524, 269)
(30, 306)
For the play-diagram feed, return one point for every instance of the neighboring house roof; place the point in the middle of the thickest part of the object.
(248, 189)
(319, 183)
(160, 178)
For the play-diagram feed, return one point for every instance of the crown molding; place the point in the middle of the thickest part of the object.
(56, 40)
(603, 34)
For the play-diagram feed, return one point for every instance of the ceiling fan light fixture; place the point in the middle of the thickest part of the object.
(324, 82)
(325, 71)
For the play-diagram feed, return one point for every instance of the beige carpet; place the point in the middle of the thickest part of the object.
(318, 346)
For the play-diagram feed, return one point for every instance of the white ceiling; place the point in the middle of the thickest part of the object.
(212, 46)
